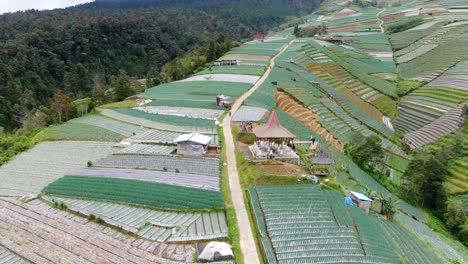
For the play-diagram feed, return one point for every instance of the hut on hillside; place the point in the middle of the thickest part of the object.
(273, 141)
(193, 144)
(362, 201)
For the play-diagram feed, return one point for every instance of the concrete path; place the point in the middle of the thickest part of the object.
(247, 241)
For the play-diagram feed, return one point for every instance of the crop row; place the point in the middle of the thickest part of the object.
(121, 128)
(81, 241)
(174, 178)
(135, 192)
(34, 169)
(132, 219)
(202, 166)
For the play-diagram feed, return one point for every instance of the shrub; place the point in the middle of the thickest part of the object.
(90, 163)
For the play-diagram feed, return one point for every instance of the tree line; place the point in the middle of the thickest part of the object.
(80, 50)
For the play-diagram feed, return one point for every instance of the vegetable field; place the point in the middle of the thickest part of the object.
(173, 178)
(81, 241)
(82, 132)
(166, 119)
(304, 224)
(118, 127)
(6, 256)
(34, 169)
(202, 166)
(135, 192)
(152, 224)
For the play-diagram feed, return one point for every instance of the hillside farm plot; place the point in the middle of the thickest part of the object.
(6, 256)
(148, 120)
(152, 224)
(118, 127)
(442, 247)
(425, 105)
(458, 180)
(303, 224)
(446, 124)
(155, 136)
(237, 78)
(174, 178)
(47, 235)
(156, 195)
(456, 77)
(34, 169)
(182, 112)
(79, 132)
(202, 166)
(258, 69)
(248, 113)
(247, 58)
(147, 149)
(409, 246)
(196, 94)
(147, 113)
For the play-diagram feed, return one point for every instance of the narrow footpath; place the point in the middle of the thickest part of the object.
(247, 242)
(380, 20)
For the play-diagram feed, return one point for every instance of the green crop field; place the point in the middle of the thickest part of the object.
(167, 119)
(195, 93)
(135, 192)
(240, 69)
(78, 131)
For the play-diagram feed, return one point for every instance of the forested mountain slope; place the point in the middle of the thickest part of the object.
(69, 49)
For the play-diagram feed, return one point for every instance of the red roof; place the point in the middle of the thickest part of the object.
(260, 36)
(272, 129)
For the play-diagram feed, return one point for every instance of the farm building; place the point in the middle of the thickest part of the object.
(273, 141)
(260, 38)
(222, 100)
(362, 201)
(194, 144)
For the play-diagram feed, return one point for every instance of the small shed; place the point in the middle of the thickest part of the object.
(362, 201)
(222, 100)
(260, 38)
(194, 144)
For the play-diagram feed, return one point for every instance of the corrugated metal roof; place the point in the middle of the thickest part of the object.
(193, 137)
(361, 196)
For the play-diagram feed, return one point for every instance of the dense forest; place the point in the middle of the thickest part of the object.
(81, 48)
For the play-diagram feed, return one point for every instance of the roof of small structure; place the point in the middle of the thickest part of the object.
(321, 158)
(272, 129)
(361, 196)
(193, 137)
(222, 248)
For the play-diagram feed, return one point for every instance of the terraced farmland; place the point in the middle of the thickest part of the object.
(202, 166)
(174, 178)
(222, 77)
(196, 94)
(409, 247)
(237, 69)
(446, 124)
(79, 132)
(8, 257)
(34, 169)
(445, 249)
(152, 194)
(118, 127)
(38, 232)
(149, 121)
(155, 136)
(196, 113)
(152, 224)
(303, 224)
(425, 105)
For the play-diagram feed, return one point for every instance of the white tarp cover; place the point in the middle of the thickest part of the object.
(214, 248)
(193, 137)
